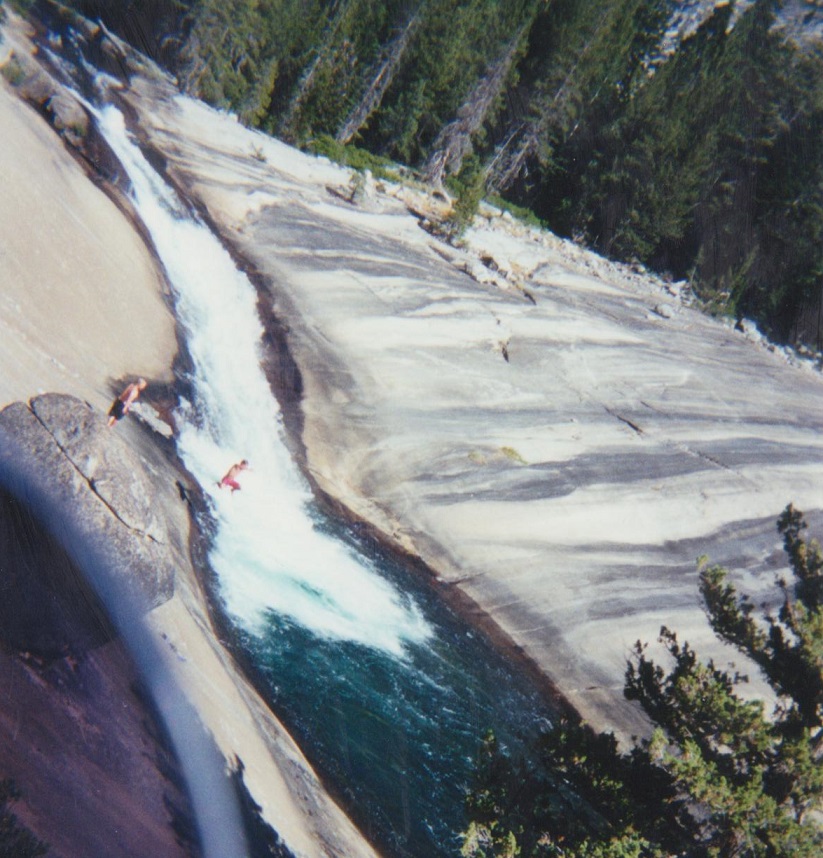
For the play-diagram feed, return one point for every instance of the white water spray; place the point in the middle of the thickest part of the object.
(267, 553)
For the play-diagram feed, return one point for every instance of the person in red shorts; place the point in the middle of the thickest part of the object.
(230, 479)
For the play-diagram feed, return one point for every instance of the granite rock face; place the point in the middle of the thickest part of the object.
(83, 307)
(79, 734)
(62, 448)
(558, 437)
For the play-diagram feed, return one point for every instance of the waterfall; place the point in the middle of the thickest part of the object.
(268, 552)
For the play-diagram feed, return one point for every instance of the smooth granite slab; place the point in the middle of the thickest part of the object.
(558, 436)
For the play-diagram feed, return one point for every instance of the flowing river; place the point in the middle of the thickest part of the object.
(387, 691)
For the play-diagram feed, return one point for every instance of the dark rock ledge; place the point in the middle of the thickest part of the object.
(79, 735)
(96, 484)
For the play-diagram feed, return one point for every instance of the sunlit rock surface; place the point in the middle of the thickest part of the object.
(557, 436)
(84, 309)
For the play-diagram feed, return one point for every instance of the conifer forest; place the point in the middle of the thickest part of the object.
(695, 151)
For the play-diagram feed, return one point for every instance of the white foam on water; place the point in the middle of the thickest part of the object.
(268, 553)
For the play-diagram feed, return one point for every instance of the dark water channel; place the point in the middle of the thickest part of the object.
(397, 737)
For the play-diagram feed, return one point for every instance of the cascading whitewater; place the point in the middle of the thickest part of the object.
(267, 552)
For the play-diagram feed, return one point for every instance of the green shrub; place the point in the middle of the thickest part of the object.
(352, 156)
(523, 214)
(469, 186)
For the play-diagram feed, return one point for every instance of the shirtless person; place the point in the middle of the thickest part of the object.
(124, 402)
(230, 479)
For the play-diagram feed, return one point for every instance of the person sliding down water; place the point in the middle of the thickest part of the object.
(230, 479)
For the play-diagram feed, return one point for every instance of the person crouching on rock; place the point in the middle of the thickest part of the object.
(122, 405)
(230, 479)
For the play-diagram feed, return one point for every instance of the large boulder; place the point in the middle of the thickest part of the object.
(113, 470)
(95, 493)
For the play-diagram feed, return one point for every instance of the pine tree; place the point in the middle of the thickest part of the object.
(718, 779)
(378, 82)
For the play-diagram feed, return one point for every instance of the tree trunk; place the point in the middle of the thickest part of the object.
(454, 141)
(511, 157)
(381, 81)
(306, 81)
